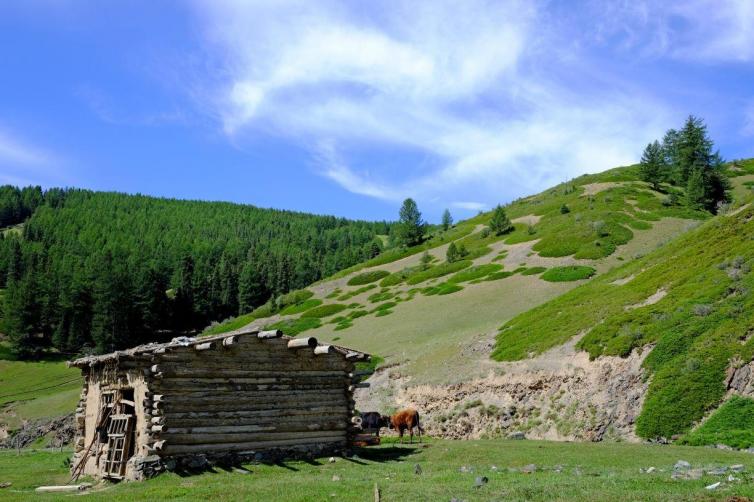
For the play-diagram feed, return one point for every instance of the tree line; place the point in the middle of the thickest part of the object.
(95, 271)
(685, 159)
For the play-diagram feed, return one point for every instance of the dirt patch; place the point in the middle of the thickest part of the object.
(738, 210)
(59, 430)
(595, 188)
(559, 395)
(650, 300)
(529, 219)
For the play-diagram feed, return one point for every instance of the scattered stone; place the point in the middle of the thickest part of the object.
(480, 481)
(681, 465)
(723, 447)
(737, 468)
(335, 477)
(558, 468)
(331, 460)
(5, 484)
(518, 435)
(732, 478)
(577, 472)
(718, 471)
(749, 449)
(493, 468)
(528, 469)
(649, 470)
(456, 500)
(466, 468)
(417, 469)
(713, 486)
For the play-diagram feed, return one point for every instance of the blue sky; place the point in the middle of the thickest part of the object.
(348, 107)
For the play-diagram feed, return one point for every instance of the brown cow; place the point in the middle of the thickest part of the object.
(406, 420)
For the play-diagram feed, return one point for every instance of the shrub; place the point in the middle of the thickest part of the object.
(381, 313)
(367, 277)
(324, 310)
(444, 288)
(301, 307)
(356, 292)
(476, 272)
(392, 279)
(381, 297)
(564, 209)
(731, 424)
(569, 273)
(533, 271)
(293, 298)
(498, 275)
(293, 327)
(438, 271)
(384, 306)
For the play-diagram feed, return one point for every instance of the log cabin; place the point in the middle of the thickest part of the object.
(193, 402)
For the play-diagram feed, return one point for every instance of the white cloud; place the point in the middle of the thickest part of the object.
(24, 164)
(15, 152)
(476, 89)
(469, 206)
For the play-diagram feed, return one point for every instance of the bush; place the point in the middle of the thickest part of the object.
(367, 277)
(293, 298)
(301, 307)
(476, 272)
(498, 275)
(356, 292)
(392, 279)
(731, 424)
(569, 273)
(533, 271)
(444, 288)
(324, 310)
(293, 327)
(564, 209)
(438, 271)
(381, 297)
(384, 306)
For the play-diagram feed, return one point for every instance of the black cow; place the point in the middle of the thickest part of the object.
(373, 420)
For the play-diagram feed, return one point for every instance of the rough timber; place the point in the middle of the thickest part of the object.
(184, 404)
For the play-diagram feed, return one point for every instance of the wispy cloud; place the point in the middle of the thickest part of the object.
(493, 104)
(22, 163)
(13, 151)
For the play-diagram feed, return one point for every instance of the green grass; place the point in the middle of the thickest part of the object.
(437, 271)
(367, 277)
(381, 296)
(564, 471)
(356, 292)
(731, 424)
(33, 390)
(476, 272)
(565, 274)
(696, 329)
(230, 325)
(324, 310)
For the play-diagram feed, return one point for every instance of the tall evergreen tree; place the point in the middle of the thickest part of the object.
(652, 165)
(452, 253)
(251, 290)
(500, 223)
(695, 196)
(447, 220)
(410, 229)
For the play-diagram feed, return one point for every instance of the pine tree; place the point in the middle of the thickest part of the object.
(452, 254)
(652, 165)
(411, 227)
(447, 220)
(251, 290)
(499, 223)
(695, 197)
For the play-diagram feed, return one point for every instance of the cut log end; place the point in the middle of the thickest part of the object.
(300, 343)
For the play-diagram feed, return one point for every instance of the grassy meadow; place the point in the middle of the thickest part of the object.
(515, 470)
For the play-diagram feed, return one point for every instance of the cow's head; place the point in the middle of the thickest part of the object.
(386, 422)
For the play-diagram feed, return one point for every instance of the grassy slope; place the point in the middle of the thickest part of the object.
(697, 327)
(591, 472)
(32, 390)
(610, 214)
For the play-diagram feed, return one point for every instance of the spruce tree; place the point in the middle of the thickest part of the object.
(695, 197)
(499, 223)
(410, 229)
(452, 254)
(652, 165)
(447, 220)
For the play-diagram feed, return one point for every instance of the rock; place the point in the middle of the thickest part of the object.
(681, 465)
(335, 477)
(480, 481)
(518, 435)
(695, 474)
(732, 478)
(723, 447)
(417, 469)
(650, 470)
(718, 471)
(331, 460)
(737, 468)
(558, 468)
(528, 469)
(466, 468)
(5, 484)
(170, 464)
(713, 486)
(493, 468)
(240, 470)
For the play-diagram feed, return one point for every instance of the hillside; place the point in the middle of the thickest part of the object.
(436, 324)
(97, 271)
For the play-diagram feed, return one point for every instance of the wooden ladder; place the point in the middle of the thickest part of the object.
(118, 444)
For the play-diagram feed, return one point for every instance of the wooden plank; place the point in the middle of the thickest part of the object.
(333, 441)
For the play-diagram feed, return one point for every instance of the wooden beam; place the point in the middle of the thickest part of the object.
(204, 346)
(301, 343)
(322, 349)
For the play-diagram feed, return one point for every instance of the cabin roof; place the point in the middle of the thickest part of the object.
(183, 341)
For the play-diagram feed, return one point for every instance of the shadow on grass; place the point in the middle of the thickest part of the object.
(385, 454)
